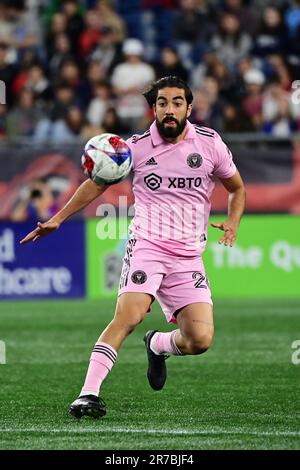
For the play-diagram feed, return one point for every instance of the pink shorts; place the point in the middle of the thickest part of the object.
(174, 281)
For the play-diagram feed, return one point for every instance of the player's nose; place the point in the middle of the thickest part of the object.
(169, 113)
(170, 109)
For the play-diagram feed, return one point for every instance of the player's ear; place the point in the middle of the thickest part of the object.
(154, 109)
(189, 110)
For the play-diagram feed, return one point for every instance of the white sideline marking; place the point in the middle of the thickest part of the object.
(175, 432)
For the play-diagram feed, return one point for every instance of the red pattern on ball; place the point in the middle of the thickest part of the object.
(117, 143)
(88, 164)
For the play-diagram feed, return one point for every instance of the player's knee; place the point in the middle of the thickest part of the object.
(129, 316)
(200, 344)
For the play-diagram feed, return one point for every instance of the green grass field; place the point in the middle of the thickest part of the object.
(242, 394)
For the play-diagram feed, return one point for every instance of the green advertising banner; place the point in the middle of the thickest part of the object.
(265, 262)
(106, 240)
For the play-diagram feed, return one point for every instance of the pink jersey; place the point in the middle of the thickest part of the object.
(172, 185)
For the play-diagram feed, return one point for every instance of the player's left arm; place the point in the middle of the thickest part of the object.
(236, 206)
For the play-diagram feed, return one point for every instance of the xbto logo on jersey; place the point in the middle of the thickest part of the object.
(184, 182)
(139, 277)
(194, 160)
(153, 181)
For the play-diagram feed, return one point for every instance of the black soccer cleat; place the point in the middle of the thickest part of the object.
(88, 405)
(157, 371)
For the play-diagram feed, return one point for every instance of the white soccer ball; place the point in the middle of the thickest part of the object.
(106, 159)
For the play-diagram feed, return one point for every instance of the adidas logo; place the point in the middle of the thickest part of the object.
(151, 161)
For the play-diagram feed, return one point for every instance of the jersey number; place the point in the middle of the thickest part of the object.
(200, 279)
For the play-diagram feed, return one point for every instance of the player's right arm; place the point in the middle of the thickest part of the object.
(86, 193)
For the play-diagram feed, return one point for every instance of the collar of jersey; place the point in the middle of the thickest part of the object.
(157, 139)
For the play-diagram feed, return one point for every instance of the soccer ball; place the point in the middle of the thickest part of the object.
(106, 159)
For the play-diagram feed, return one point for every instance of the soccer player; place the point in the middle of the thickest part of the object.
(175, 165)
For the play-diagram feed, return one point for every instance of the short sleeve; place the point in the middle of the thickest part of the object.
(130, 142)
(224, 165)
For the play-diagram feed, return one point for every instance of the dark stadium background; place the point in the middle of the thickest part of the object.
(66, 72)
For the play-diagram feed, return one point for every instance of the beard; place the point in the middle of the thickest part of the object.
(171, 132)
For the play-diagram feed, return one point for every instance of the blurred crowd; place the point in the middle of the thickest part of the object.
(76, 68)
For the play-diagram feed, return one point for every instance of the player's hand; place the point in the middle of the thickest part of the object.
(41, 230)
(230, 232)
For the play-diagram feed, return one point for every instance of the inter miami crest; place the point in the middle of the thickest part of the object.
(194, 160)
(139, 277)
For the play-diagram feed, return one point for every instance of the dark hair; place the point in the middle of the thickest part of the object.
(36, 194)
(170, 81)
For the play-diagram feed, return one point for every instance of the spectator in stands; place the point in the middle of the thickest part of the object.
(71, 74)
(203, 112)
(170, 64)
(63, 130)
(91, 33)
(193, 28)
(58, 26)
(271, 36)
(129, 79)
(7, 72)
(111, 20)
(252, 102)
(248, 18)
(279, 70)
(36, 202)
(277, 110)
(39, 84)
(24, 116)
(95, 73)
(211, 88)
(112, 123)
(101, 101)
(221, 73)
(19, 29)
(64, 98)
(74, 19)
(230, 43)
(61, 53)
(244, 65)
(235, 119)
(108, 52)
(203, 68)
(85, 40)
